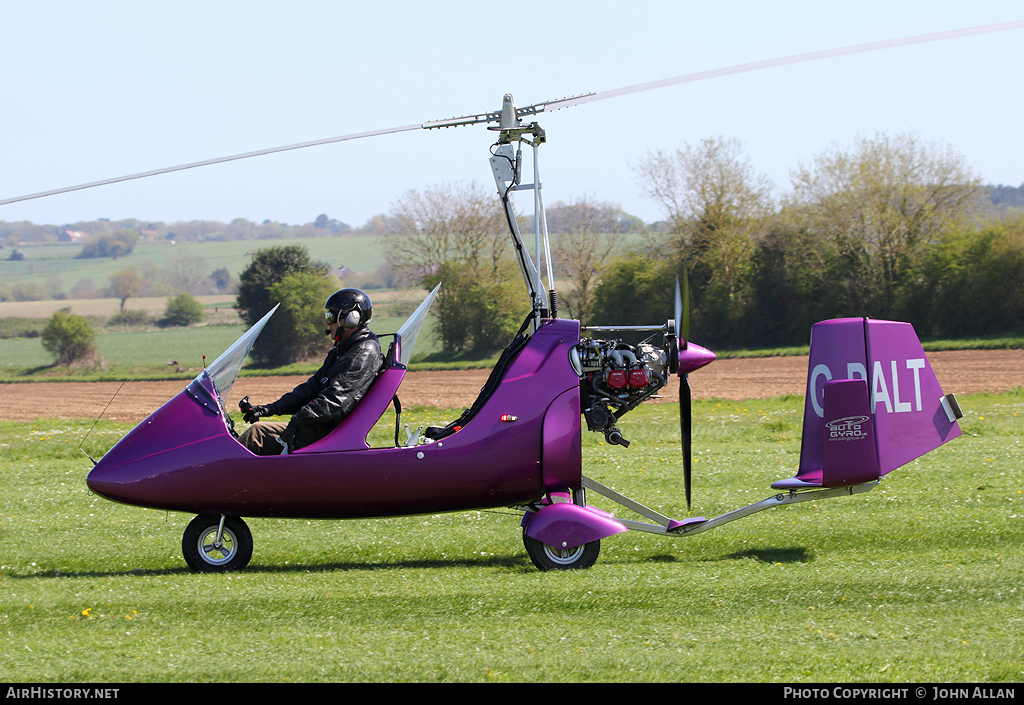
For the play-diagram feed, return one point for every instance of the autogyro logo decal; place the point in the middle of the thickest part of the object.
(850, 428)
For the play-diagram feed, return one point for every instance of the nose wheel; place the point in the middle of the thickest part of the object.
(216, 544)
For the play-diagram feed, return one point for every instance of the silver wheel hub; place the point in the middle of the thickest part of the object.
(563, 556)
(217, 552)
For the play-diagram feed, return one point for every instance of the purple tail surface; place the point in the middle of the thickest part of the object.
(873, 404)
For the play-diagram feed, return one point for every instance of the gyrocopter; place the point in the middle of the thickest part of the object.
(872, 404)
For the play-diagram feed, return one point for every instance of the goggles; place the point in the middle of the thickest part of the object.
(332, 316)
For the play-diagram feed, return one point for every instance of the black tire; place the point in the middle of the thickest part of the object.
(203, 555)
(547, 557)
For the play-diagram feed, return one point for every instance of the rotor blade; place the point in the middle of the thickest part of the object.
(218, 160)
(772, 63)
(685, 424)
(555, 104)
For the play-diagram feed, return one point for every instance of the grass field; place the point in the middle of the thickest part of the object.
(360, 253)
(145, 353)
(916, 581)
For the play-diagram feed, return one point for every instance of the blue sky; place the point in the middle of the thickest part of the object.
(100, 89)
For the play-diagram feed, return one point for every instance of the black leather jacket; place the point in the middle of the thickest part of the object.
(320, 403)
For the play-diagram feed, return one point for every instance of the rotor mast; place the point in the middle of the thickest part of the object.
(506, 166)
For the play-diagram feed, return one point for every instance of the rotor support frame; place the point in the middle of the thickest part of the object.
(506, 167)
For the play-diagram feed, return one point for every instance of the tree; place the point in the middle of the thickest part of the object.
(28, 291)
(477, 313)
(185, 273)
(54, 286)
(969, 283)
(718, 206)
(335, 226)
(457, 235)
(586, 213)
(797, 279)
(588, 236)
(446, 223)
(377, 225)
(126, 284)
(269, 266)
(299, 323)
(221, 278)
(112, 245)
(883, 200)
(636, 290)
(84, 288)
(183, 310)
(68, 337)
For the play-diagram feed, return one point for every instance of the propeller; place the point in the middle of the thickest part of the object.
(508, 117)
(682, 324)
(685, 432)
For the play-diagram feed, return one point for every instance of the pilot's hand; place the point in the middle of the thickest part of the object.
(254, 413)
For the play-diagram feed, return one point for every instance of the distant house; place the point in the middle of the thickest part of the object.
(71, 236)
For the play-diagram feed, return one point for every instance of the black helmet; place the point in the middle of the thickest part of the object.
(350, 308)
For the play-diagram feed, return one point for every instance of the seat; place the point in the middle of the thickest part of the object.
(351, 433)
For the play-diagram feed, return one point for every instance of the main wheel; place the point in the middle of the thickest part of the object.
(547, 557)
(205, 554)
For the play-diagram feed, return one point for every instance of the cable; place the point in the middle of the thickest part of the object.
(94, 461)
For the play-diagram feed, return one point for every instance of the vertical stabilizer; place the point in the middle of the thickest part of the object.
(870, 390)
(907, 398)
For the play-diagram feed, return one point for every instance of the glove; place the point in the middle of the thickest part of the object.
(254, 413)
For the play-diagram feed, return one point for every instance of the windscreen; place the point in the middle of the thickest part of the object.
(225, 368)
(410, 330)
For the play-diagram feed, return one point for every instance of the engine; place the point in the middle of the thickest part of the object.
(615, 378)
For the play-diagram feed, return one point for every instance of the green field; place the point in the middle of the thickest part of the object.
(155, 353)
(918, 580)
(360, 253)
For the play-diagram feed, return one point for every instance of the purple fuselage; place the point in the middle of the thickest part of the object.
(525, 441)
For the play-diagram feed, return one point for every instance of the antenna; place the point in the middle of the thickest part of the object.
(94, 461)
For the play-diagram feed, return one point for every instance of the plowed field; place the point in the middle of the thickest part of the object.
(962, 372)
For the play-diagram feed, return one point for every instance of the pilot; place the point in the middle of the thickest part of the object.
(320, 403)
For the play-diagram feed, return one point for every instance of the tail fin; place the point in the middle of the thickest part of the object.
(873, 404)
